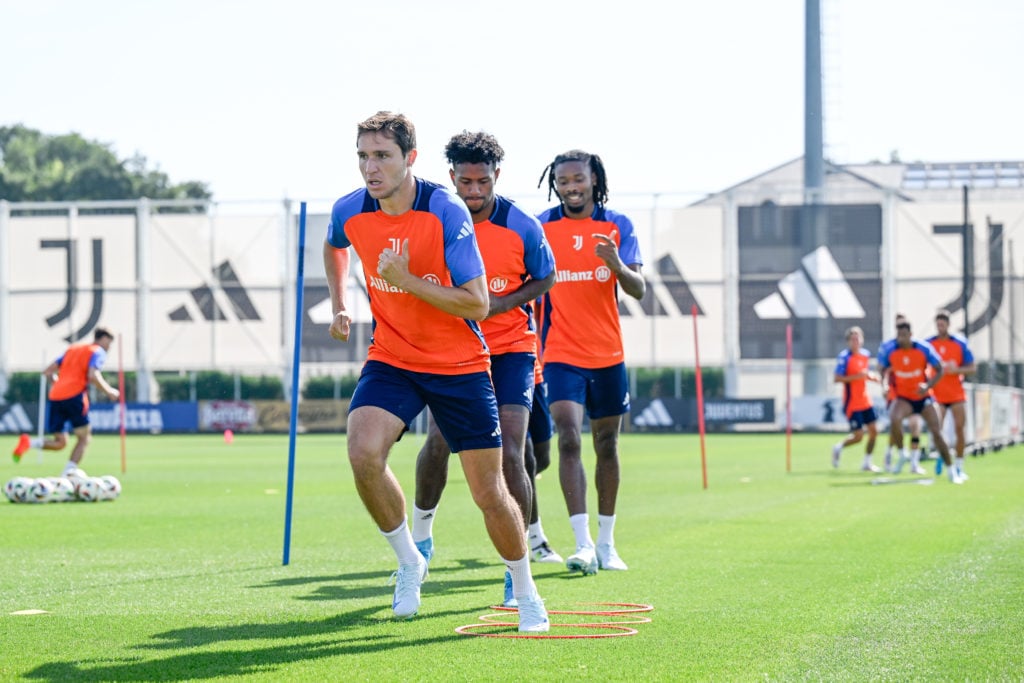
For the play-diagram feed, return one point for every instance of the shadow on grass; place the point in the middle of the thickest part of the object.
(355, 632)
(188, 664)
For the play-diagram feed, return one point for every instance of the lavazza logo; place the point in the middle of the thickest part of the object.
(816, 290)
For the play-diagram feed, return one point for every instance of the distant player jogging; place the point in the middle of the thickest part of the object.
(68, 400)
(853, 371)
(907, 359)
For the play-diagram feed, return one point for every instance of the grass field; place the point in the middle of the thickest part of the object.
(815, 574)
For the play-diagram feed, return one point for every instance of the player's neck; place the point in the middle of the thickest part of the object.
(402, 199)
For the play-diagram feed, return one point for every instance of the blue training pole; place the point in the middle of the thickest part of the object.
(296, 356)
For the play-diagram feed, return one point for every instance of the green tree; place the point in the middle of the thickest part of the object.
(38, 167)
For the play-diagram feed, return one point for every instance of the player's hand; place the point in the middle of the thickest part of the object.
(873, 377)
(608, 251)
(114, 394)
(341, 326)
(393, 265)
(923, 389)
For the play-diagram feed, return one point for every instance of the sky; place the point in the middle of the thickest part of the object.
(260, 99)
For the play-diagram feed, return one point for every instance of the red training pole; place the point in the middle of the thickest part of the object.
(123, 409)
(700, 398)
(789, 396)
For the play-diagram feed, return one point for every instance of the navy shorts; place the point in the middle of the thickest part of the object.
(919, 405)
(463, 406)
(540, 429)
(512, 375)
(860, 418)
(604, 392)
(73, 410)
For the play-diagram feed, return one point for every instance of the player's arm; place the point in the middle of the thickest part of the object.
(469, 300)
(96, 378)
(51, 371)
(336, 265)
(628, 276)
(531, 289)
(925, 387)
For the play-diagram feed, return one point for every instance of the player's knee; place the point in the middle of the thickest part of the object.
(543, 456)
(569, 443)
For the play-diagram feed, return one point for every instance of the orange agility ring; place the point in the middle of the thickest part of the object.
(617, 628)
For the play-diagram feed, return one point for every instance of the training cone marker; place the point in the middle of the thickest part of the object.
(229, 436)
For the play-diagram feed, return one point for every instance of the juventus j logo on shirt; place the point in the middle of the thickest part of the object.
(577, 242)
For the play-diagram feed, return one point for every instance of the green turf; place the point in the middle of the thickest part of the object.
(815, 574)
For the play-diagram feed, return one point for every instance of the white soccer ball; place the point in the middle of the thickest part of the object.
(88, 489)
(17, 489)
(63, 489)
(110, 487)
(41, 491)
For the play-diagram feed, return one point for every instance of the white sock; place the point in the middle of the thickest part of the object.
(581, 529)
(36, 442)
(70, 467)
(536, 535)
(888, 453)
(867, 458)
(401, 542)
(959, 462)
(915, 456)
(422, 523)
(606, 529)
(522, 579)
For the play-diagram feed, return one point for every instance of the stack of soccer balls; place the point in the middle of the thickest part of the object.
(62, 489)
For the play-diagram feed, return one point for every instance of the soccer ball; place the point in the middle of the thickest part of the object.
(63, 489)
(110, 487)
(88, 489)
(16, 489)
(41, 491)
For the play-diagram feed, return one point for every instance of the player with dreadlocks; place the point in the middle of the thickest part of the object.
(596, 253)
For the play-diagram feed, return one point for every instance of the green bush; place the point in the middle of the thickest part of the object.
(23, 387)
(323, 386)
(661, 382)
(213, 385)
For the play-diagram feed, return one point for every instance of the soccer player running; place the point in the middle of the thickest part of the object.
(913, 422)
(520, 267)
(908, 358)
(596, 252)
(537, 454)
(957, 361)
(72, 373)
(427, 287)
(853, 372)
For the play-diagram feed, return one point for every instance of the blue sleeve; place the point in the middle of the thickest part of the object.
(629, 248)
(883, 356)
(841, 362)
(99, 357)
(537, 254)
(930, 354)
(343, 210)
(461, 253)
(965, 350)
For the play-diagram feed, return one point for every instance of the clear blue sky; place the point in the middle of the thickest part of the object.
(260, 99)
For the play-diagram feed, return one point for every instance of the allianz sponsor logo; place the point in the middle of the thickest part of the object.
(382, 285)
(600, 274)
(574, 275)
(908, 374)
